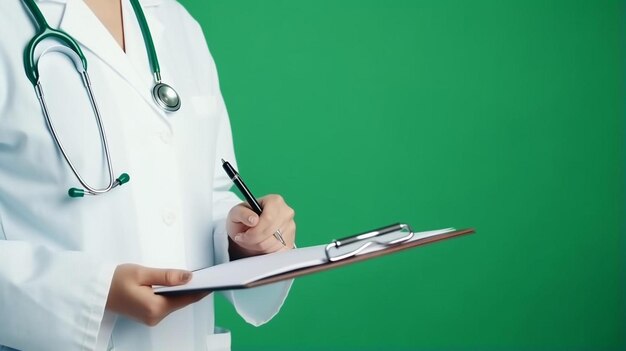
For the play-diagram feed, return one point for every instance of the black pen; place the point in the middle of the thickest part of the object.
(256, 207)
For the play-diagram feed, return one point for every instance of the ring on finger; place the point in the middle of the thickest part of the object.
(279, 236)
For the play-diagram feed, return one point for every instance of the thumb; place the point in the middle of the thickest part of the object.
(244, 215)
(166, 277)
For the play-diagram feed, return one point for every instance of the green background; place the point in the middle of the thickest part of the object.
(505, 116)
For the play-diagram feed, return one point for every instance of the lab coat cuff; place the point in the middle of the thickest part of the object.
(99, 323)
(259, 305)
(220, 242)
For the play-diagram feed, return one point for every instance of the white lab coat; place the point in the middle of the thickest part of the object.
(57, 254)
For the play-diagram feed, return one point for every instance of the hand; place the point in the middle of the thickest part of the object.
(131, 293)
(253, 235)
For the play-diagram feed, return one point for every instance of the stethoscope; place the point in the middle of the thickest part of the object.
(164, 95)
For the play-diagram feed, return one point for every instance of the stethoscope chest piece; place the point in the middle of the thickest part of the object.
(166, 97)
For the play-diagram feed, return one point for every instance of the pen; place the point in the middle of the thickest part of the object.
(256, 207)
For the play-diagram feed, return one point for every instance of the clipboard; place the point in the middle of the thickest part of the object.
(257, 271)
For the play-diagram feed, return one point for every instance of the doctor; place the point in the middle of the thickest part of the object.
(76, 272)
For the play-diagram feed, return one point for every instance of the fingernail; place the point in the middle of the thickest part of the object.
(186, 276)
(251, 219)
(239, 238)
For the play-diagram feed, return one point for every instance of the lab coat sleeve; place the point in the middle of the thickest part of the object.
(258, 305)
(51, 300)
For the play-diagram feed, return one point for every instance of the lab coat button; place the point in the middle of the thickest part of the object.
(166, 137)
(169, 218)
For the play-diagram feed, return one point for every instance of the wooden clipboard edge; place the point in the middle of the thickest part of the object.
(331, 265)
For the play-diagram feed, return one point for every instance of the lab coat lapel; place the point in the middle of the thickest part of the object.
(81, 23)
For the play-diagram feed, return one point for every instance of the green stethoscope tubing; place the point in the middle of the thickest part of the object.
(45, 31)
(164, 95)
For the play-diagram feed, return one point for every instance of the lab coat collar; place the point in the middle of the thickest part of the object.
(81, 23)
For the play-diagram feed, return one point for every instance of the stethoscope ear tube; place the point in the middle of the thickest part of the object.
(70, 48)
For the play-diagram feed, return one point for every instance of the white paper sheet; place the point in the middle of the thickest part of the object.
(247, 270)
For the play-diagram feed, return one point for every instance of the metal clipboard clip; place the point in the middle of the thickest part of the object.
(351, 246)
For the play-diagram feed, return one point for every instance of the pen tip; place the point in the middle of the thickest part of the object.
(223, 161)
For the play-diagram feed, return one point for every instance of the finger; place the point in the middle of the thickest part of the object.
(167, 277)
(272, 244)
(271, 199)
(288, 231)
(157, 307)
(290, 235)
(275, 214)
(174, 303)
(257, 234)
(244, 215)
(253, 237)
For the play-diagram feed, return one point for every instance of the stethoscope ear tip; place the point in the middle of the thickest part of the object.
(75, 192)
(123, 179)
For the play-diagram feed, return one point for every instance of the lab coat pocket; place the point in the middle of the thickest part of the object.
(199, 117)
(197, 126)
(204, 105)
(219, 341)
